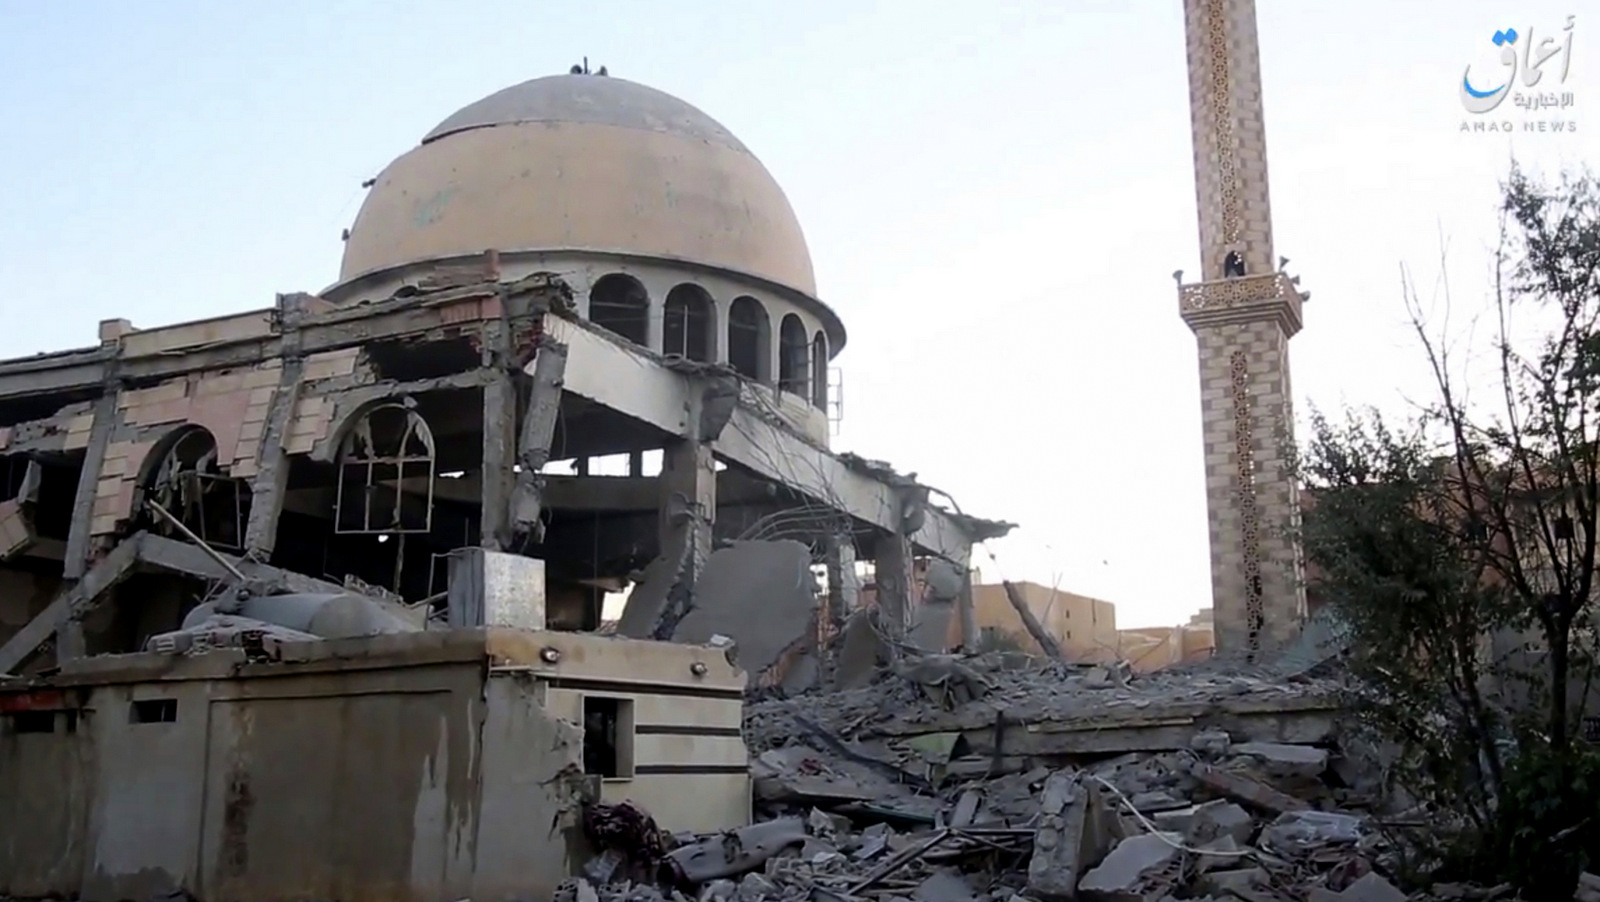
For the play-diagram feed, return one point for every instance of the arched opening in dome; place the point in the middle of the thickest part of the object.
(688, 323)
(618, 303)
(819, 371)
(794, 351)
(750, 339)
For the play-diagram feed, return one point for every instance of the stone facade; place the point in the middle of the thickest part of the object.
(1243, 313)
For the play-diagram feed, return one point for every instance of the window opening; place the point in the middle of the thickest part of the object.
(819, 372)
(749, 339)
(793, 355)
(386, 458)
(189, 482)
(33, 722)
(619, 303)
(608, 737)
(686, 324)
(155, 710)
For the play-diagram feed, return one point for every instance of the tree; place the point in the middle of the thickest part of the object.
(1474, 523)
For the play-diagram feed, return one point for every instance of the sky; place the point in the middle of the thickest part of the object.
(995, 197)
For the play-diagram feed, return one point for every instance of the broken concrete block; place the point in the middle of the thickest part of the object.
(1301, 831)
(932, 628)
(762, 594)
(719, 890)
(1217, 819)
(966, 810)
(1222, 883)
(944, 886)
(1291, 761)
(1372, 888)
(1249, 790)
(860, 651)
(1227, 855)
(1126, 873)
(1073, 836)
(1177, 821)
(16, 533)
(1213, 743)
(751, 847)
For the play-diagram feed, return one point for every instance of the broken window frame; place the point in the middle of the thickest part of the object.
(162, 484)
(360, 430)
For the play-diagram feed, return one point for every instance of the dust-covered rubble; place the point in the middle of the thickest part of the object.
(1004, 779)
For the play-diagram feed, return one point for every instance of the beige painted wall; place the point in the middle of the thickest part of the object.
(1153, 648)
(1086, 628)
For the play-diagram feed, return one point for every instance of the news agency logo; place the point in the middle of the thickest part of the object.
(1524, 58)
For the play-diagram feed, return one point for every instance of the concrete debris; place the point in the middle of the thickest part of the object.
(1139, 868)
(950, 778)
(777, 573)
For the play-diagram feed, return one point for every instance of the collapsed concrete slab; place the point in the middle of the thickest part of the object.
(760, 594)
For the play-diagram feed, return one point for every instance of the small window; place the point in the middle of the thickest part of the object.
(33, 722)
(155, 710)
(608, 737)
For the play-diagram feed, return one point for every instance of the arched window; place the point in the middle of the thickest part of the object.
(793, 354)
(186, 479)
(619, 303)
(686, 327)
(819, 371)
(750, 339)
(386, 472)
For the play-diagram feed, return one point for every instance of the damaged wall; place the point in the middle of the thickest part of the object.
(391, 768)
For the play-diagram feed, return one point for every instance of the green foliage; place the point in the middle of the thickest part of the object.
(1451, 544)
(1549, 821)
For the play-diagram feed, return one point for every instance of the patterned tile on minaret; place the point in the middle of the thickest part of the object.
(1242, 323)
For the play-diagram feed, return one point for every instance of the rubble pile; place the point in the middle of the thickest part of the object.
(999, 779)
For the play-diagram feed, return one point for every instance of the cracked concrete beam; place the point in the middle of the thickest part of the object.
(149, 550)
(665, 398)
(259, 340)
(538, 430)
(499, 444)
(272, 473)
(82, 528)
(72, 603)
(182, 557)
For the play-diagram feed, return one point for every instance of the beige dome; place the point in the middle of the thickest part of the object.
(581, 162)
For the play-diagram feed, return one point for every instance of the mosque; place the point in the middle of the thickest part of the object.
(305, 601)
(577, 324)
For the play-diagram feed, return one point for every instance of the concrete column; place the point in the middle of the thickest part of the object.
(892, 557)
(499, 448)
(499, 440)
(655, 322)
(272, 474)
(688, 492)
(533, 443)
(844, 587)
(76, 562)
(719, 332)
(965, 608)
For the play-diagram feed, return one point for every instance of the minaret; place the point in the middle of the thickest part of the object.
(1243, 312)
